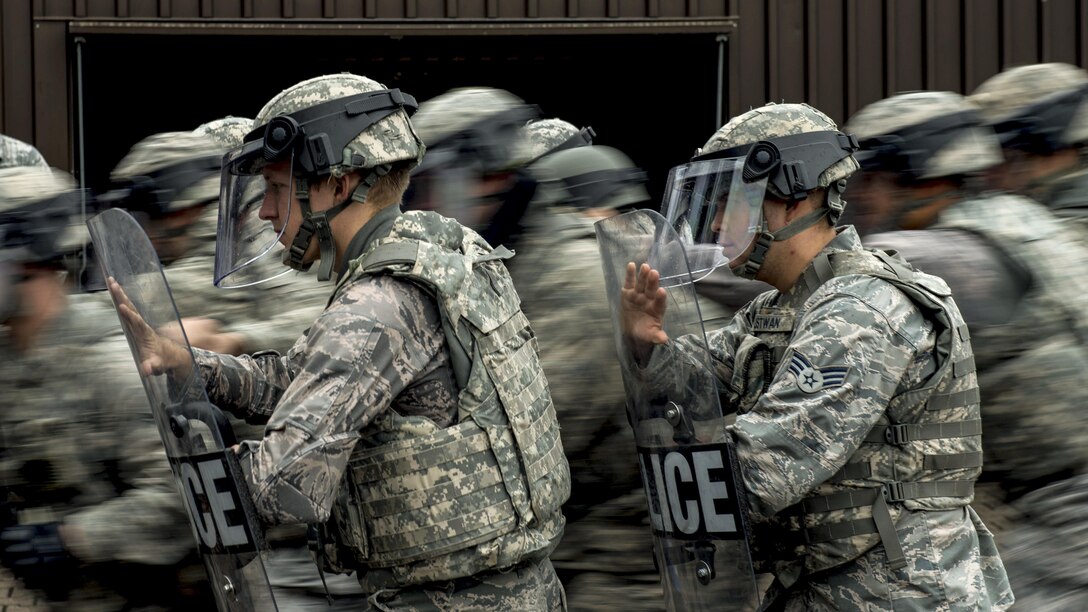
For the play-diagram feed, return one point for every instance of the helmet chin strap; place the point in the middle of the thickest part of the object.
(832, 209)
(319, 225)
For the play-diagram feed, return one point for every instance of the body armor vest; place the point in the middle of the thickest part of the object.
(422, 503)
(1032, 372)
(924, 453)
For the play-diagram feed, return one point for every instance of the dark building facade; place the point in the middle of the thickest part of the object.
(85, 79)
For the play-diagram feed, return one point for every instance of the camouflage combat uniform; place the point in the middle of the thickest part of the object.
(605, 557)
(81, 447)
(373, 375)
(859, 444)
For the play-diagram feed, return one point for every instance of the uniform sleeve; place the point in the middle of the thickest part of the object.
(155, 528)
(354, 367)
(247, 386)
(686, 368)
(844, 362)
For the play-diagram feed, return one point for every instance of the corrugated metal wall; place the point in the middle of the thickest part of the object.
(840, 55)
(835, 54)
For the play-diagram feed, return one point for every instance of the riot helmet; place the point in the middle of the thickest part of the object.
(37, 207)
(227, 132)
(328, 126)
(15, 153)
(547, 136)
(913, 138)
(165, 181)
(476, 143)
(715, 201)
(1039, 109)
(589, 177)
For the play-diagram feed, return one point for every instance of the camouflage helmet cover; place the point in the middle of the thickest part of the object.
(772, 121)
(163, 151)
(31, 232)
(392, 139)
(546, 134)
(594, 162)
(1016, 90)
(14, 152)
(228, 132)
(458, 110)
(974, 150)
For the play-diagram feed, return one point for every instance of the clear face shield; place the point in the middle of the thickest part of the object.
(715, 211)
(249, 249)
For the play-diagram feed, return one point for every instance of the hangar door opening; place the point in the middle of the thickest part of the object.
(137, 85)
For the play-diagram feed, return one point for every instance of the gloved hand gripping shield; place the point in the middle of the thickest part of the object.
(275, 163)
(696, 498)
(197, 436)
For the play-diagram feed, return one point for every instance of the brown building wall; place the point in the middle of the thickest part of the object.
(591, 61)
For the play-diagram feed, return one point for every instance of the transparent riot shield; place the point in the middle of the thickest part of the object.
(689, 469)
(197, 436)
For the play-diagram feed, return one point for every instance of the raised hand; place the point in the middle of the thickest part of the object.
(158, 354)
(643, 307)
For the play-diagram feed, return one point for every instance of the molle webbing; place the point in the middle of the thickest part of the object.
(934, 393)
(432, 495)
(485, 493)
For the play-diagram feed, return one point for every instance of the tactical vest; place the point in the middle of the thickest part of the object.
(426, 503)
(924, 453)
(1032, 377)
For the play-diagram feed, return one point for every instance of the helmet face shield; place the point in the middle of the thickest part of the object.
(715, 211)
(248, 180)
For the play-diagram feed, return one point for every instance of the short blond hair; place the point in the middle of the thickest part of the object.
(389, 189)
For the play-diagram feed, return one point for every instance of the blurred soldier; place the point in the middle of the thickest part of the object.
(14, 152)
(171, 181)
(557, 272)
(419, 386)
(477, 149)
(91, 512)
(603, 558)
(858, 427)
(1040, 114)
(1026, 305)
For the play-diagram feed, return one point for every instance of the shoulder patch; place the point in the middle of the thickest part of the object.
(811, 379)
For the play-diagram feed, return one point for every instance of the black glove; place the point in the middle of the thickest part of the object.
(36, 554)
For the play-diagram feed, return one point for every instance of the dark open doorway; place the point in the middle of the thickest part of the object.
(137, 85)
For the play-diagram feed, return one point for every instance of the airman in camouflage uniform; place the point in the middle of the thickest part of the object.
(80, 448)
(857, 429)
(1029, 347)
(411, 421)
(14, 152)
(284, 306)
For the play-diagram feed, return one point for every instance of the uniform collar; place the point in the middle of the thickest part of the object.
(375, 229)
(817, 271)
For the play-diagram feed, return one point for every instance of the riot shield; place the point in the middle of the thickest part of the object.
(197, 436)
(693, 487)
